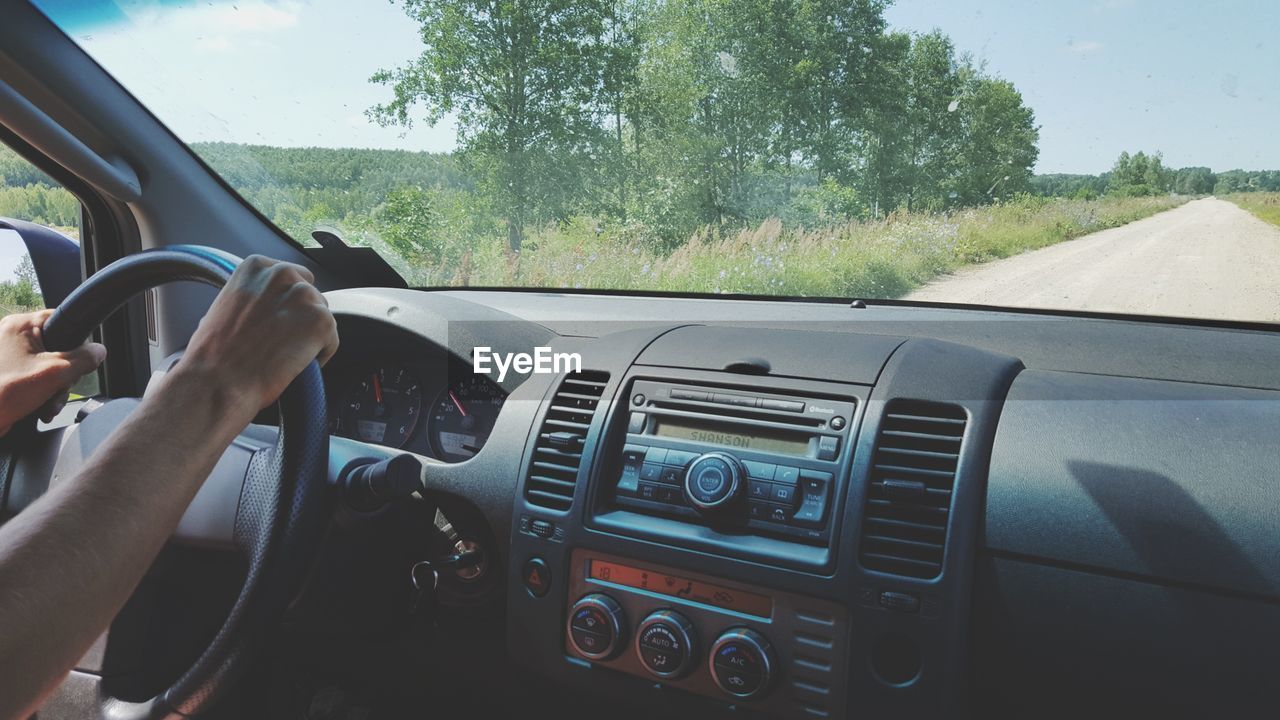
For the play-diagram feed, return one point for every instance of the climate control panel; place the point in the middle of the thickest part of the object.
(781, 653)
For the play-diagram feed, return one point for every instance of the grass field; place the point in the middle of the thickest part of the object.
(1265, 205)
(875, 259)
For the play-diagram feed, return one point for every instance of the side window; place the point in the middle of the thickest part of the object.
(29, 195)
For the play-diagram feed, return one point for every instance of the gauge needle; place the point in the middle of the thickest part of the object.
(457, 403)
(377, 388)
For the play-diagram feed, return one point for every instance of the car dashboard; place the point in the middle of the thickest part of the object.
(814, 510)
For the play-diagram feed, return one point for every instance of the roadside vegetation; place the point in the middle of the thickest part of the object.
(22, 293)
(883, 258)
(1264, 205)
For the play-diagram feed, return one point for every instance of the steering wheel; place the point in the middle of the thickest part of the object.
(277, 517)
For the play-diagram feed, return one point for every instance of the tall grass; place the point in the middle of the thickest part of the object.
(879, 259)
(1265, 205)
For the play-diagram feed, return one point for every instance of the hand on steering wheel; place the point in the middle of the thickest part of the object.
(258, 344)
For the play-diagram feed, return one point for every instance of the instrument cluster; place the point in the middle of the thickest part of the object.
(445, 413)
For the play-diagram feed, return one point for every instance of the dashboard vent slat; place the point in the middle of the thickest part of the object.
(557, 453)
(904, 525)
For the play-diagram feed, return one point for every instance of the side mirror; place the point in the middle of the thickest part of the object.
(56, 259)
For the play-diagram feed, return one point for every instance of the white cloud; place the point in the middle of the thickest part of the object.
(1082, 47)
(217, 43)
(254, 17)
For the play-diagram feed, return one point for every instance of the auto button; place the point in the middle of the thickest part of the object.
(665, 644)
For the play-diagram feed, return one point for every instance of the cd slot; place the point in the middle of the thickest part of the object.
(757, 418)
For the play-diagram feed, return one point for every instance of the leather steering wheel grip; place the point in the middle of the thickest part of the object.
(110, 288)
(283, 506)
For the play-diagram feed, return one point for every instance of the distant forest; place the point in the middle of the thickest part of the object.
(393, 192)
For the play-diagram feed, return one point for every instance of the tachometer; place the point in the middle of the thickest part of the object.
(384, 406)
(463, 416)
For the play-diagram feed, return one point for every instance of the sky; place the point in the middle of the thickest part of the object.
(1195, 80)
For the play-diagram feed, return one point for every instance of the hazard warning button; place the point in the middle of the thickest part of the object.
(537, 577)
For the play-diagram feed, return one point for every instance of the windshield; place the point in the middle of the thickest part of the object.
(1106, 155)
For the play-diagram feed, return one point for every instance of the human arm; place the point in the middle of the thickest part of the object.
(33, 379)
(70, 561)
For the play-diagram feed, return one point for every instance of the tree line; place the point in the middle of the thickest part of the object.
(1146, 174)
(26, 193)
(670, 115)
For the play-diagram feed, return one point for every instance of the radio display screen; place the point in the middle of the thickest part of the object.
(676, 586)
(752, 439)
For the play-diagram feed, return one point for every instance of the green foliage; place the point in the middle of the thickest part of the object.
(26, 193)
(873, 258)
(22, 294)
(15, 171)
(1139, 174)
(523, 77)
(1080, 187)
(1264, 205)
(663, 116)
(1238, 181)
(1194, 181)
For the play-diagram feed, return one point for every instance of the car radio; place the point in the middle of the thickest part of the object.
(734, 459)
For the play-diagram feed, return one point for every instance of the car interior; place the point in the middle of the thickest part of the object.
(707, 507)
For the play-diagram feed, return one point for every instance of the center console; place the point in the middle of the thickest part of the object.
(770, 526)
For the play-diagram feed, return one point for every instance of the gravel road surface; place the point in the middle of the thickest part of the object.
(1207, 259)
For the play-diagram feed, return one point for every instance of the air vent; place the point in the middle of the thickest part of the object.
(557, 455)
(904, 528)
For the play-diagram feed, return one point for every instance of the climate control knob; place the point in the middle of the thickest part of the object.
(596, 626)
(742, 663)
(713, 481)
(664, 644)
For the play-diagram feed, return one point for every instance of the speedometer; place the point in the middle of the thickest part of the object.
(384, 406)
(463, 416)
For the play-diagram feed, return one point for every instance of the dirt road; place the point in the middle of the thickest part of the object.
(1207, 258)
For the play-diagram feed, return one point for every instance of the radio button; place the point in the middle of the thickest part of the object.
(636, 424)
(656, 455)
(785, 494)
(680, 457)
(732, 399)
(760, 490)
(813, 498)
(682, 394)
(813, 482)
(650, 472)
(713, 481)
(828, 447)
(759, 470)
(769, 512)
(670, 475)
(648, 491)
(786, 474)
(669, 494)
(783, 405)
(633, 455)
